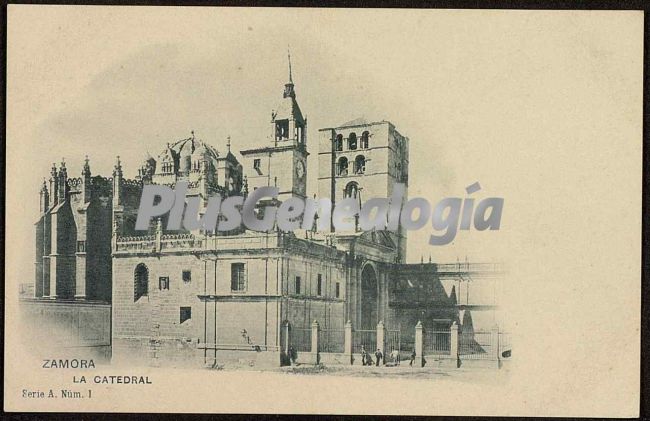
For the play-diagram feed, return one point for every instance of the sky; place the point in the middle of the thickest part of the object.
(542, 108)
(468, 93)
(100, 82)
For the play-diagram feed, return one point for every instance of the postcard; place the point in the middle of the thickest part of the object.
(323, 211)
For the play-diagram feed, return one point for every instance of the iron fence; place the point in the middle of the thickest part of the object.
(392, 341)
(478, 345)
(301, 339)
(436, 342)
(365, 338)
(331, 340)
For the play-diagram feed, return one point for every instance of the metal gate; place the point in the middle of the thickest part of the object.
(331, 340)
(365, 338)
(393, 341)
(300, 339)
(436, 342)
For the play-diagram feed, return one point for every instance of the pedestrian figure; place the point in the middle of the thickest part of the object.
(292, 355)
(412, 358)
(364, 356)
(379, 356)
(394, 356)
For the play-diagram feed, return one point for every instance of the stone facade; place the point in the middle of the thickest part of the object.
(240, 286)
(73, 237)
(363, 159)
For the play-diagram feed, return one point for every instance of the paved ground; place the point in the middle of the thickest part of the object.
(472, 371)
(473, 374)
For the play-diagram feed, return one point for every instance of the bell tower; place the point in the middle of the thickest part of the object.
(288, 123)
(364, 160)
(283, 163)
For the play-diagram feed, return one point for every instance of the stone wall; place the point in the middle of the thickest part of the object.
(243, 319)
(61, 329)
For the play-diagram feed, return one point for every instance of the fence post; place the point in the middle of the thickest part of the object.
(381, 335)
(285, 327)
(348, 341)
(314, 341)
(453, 341)
(494, 342)
(419, 358)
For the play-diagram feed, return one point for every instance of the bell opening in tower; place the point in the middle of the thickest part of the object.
(282, 130)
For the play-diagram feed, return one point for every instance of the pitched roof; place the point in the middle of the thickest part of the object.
(359, 121)
(289, 110)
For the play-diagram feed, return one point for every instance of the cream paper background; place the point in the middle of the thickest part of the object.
(543, 108)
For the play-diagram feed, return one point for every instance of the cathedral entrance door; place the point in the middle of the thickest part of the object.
(369, 296)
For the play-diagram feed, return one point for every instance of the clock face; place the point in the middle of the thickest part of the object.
(300, 169)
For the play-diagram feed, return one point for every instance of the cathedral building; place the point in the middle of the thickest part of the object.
(73, 236)
(199, 295)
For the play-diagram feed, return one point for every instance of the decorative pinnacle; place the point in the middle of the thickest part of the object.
(86, 169)
(228, 143)
(62, 171)
(118, 167)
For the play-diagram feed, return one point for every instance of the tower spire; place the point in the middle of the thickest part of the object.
(288, 87)
(289, 56)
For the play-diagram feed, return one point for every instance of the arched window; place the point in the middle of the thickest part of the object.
(352, 189)
(364, 140)
(343, 166)
(338, 143)
(359, 164)
(352, 141)
(281, 129)
(140, 281)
